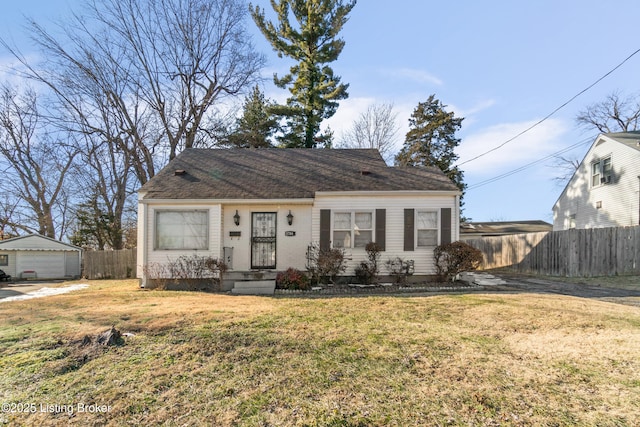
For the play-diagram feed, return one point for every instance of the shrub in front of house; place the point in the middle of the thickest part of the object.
(292, 278)
(400, 269)
(187, 273)
(454, 258)
(367, 271)
(325, 264)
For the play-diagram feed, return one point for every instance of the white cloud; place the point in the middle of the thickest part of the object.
(539, 142)
(415, 75)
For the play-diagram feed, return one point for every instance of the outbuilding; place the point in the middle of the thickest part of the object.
(36, 256)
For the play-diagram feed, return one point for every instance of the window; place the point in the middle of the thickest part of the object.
(182, 230)
(4, 260)
(601, 172)
(572, 221)
(352, 229)
(427, 228)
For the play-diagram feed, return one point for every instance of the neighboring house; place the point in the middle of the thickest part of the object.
(260, 209)
(476, 230)
(604, 190)
(36, 256)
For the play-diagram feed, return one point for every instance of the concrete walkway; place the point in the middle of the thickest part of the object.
(29, 290)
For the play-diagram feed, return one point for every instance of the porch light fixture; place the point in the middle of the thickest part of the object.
(290, 218)
(236, 218)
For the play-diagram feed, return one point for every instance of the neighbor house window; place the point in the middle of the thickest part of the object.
(352, 229)
(427, 228)
(4, 260)
(601, 172)
(182, 230)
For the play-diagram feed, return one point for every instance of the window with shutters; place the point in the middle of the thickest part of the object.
(352, 229)
(427, 228)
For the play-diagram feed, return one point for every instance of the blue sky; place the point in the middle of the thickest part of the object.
(502, 65)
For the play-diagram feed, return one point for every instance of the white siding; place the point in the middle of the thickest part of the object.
(395, 206)
(619, 200)
(290, 250)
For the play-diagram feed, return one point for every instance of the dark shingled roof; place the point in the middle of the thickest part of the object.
(630, 139)
(285, 173)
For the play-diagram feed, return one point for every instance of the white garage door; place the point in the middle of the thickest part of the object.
(49, 265)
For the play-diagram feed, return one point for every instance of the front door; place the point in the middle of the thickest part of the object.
(263, 240)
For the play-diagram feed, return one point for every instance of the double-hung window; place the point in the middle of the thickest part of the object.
(4, 260)
(182, 230)
(601, 172)
(427, 228)
(352, 229)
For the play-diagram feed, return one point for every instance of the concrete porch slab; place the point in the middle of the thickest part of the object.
(254, 287)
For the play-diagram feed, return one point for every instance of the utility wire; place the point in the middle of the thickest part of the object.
(528, 165)
(553, 112)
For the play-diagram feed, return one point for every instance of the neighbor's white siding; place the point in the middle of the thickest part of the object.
(619, 200)
(394, 206)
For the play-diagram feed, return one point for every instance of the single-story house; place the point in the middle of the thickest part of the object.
(604, 191)
(260, 209)
(36, 256)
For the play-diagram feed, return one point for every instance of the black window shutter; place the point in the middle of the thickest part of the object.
(445, 226)
(381, 228)
(409, 218)
(325, 229)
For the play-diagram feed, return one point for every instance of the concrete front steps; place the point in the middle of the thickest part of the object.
(261, 282)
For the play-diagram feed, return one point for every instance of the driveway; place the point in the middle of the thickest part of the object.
(624, 294)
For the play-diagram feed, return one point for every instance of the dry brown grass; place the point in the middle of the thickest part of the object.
(206, 359)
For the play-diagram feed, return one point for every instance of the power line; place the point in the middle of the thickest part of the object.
(528, 165)
(553, 112)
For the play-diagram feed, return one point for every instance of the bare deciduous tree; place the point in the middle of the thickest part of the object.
(36, 165)
(615, 114)
(137, 82)
(377, 127)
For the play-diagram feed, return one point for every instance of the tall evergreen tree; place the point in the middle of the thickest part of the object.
(431, 140)
(313, 43)
(257, 124)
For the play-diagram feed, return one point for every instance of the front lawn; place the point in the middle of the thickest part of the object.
(211, 359)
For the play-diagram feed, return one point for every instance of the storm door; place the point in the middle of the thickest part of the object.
(263, 240)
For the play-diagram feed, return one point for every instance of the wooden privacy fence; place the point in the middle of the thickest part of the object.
(119, 264)
(572, 253)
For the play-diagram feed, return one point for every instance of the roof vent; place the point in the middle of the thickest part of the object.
(179, 172)
(365, 172)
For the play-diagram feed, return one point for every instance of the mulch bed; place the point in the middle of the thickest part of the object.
(381, 289)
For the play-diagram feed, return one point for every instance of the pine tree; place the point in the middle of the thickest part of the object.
(431, 140)
(257, 124)
(313, 43)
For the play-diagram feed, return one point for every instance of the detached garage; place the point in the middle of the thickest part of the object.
(36, 256)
